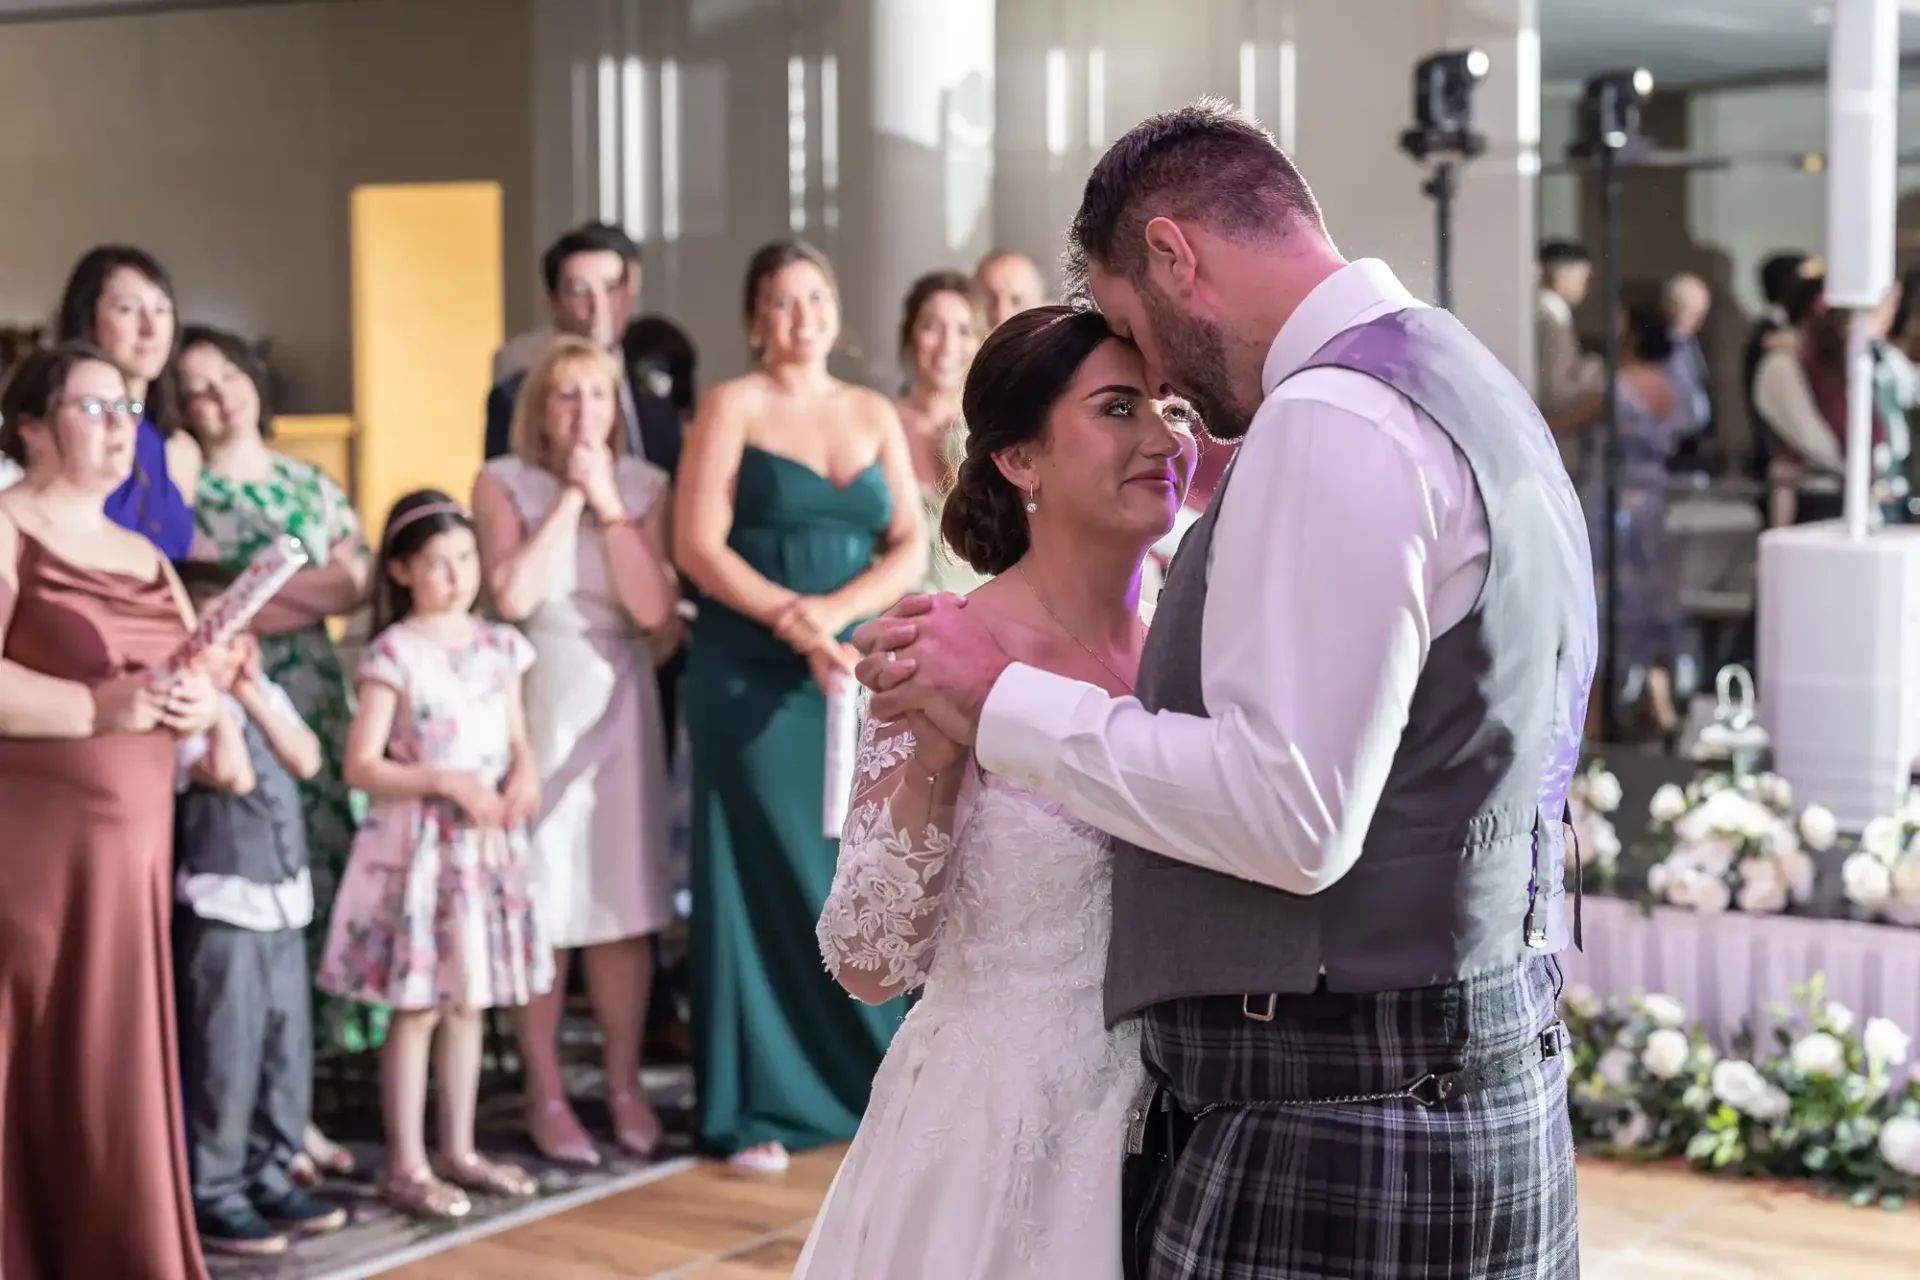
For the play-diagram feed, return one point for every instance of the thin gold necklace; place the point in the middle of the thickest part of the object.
(1042, 602)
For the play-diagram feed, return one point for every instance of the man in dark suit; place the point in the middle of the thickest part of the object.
(592, 278)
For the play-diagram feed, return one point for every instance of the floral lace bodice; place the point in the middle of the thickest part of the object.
(1008, 896)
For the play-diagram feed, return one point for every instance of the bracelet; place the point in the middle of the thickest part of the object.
(932, 777)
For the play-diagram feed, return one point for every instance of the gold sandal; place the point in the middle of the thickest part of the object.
(635, 1123)
(418, 1194)
(477, 1173)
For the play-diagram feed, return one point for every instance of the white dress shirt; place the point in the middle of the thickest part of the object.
(1350, 535)
(235, 900)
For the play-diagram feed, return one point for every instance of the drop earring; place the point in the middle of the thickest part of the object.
(1032, 505)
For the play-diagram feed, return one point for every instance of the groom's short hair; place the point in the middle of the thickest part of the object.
(1208, 163)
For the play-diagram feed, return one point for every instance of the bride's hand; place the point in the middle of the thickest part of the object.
(933, 751)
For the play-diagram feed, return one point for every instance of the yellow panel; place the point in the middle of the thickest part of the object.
(326, 441)
(427, 317)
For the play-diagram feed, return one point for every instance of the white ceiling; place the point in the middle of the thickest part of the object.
(1682, 41)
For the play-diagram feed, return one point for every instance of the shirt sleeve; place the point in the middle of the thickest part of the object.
(187, 752)
(276, 698)
(1316, 629)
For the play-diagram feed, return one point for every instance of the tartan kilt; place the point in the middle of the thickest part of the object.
(1482, 1187)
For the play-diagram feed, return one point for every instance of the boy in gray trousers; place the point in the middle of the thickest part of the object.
(244, 900)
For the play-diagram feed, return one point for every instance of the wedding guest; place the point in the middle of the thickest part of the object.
(90, 1115)
(1008, 283)
(1686, 302)
(435, 917)
(1798, 368)
(797, 515)
(592, 277)
(1896, 384)
(573, 534)
(1779, 278)
(1655, 656)
(246, 898)
(1567, 381)
(940, 330)
(120, 299)
(248, 495)
(1814, 460)
(661, 363)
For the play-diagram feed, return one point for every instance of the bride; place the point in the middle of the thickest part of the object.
(992, 1145)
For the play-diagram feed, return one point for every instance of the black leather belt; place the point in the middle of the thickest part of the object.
(1434, 1088)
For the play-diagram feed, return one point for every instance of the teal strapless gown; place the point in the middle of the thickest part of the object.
(781, 1053)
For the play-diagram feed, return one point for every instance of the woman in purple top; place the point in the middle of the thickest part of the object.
(120, 299)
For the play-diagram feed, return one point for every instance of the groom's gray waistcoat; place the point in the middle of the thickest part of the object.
(1474, 797)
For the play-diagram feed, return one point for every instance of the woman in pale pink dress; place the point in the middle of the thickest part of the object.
(573, 536)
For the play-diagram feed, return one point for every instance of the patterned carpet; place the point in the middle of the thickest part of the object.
(376, 1238)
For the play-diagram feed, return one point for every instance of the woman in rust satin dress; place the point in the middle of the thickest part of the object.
(93, 1175)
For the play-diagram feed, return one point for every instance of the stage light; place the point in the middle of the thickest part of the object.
(1610, 109)
(1443, 85)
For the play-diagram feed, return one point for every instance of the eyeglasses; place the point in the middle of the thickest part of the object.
(95, 407)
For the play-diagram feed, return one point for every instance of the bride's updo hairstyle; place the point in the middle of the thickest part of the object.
(1022, 370)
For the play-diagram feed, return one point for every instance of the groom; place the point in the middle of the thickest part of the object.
(1337, 799)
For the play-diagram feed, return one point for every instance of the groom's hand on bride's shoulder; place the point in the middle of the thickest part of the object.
(882, 666)
(933, 656)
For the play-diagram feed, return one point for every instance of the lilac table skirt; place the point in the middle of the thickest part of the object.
(1727, 969)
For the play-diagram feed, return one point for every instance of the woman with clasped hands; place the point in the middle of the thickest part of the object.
(798, 515)
(573, 537)
(93, 1173)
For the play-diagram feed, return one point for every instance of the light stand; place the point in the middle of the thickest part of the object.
(1443, 85)
(1610, 119)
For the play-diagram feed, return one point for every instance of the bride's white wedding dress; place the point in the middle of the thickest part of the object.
(992, 1146)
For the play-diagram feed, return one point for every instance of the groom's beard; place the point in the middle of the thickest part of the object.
(1196, 354)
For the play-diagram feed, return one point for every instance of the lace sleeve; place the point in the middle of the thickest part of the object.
(882, 918)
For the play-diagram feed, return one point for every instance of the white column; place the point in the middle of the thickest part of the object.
(1496, 216)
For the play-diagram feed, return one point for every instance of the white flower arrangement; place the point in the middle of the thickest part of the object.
(1882, 876)
(1631, 1069)
(1645, 1084)
(1734, 845)
(1593, 794)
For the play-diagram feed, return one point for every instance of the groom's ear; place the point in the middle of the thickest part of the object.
(1172, 263)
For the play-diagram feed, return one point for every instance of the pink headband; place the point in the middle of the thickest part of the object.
(421, 513)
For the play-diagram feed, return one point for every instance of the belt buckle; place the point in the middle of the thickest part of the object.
(1434, 1088)
(1273, 1005)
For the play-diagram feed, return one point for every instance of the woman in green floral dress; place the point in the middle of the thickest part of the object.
(248, 495)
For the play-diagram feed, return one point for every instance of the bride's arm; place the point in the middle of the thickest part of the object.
(882, 919)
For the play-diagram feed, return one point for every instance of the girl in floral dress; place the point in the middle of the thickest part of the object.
(247, 496)
(434, 917)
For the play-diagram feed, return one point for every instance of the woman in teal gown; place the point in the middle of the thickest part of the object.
(797, 517)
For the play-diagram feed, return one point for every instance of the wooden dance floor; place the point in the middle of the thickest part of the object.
(709, 1223)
